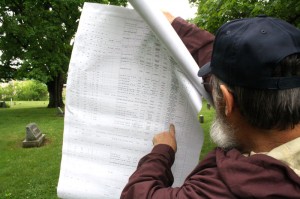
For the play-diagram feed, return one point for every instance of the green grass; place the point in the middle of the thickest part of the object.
(33, 172)
(208, 114)
(29, 172)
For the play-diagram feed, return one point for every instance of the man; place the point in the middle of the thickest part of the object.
(255, 76)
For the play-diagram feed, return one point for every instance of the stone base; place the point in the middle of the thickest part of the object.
(34, 143)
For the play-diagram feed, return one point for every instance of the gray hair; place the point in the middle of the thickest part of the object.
(268, 109)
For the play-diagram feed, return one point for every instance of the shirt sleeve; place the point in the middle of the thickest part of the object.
(153, 173)
(153, 179)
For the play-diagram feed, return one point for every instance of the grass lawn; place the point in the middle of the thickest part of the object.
(33, 172)
(208, 115)
(29, 172)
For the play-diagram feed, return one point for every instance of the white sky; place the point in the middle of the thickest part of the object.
(180, 8)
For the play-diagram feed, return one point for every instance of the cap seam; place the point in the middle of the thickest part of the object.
(286, 34)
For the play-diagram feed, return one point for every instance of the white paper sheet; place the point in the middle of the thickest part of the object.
(167, 35)
(122, 89)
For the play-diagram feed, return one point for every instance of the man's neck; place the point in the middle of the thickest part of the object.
(260, 140)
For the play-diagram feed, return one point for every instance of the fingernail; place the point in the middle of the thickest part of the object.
(172, 127)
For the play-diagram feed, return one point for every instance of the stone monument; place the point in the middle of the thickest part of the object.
(2, 104)
(34, 137)
(201, 119)
(60, 112)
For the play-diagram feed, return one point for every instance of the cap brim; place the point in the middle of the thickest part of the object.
(204, 70)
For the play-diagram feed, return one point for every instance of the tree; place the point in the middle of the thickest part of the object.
(213, 13)
(35, 40)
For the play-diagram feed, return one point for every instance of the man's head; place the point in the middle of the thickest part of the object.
(258, 61)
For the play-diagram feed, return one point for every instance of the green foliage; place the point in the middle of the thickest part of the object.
(35, 40)
(35, 35)
(31, 90)
(7, 92)
(24, 90)
(213, 13)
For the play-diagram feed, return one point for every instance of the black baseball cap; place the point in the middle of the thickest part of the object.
(246, 51)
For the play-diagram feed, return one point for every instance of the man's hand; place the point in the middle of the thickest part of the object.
(169, 16)
(167, 138)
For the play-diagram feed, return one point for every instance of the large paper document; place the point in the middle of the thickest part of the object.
(166, 34)
(123, 87)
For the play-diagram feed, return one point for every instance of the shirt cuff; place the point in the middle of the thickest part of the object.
(166, 151)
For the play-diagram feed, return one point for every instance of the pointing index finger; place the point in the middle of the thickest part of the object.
(172, 129)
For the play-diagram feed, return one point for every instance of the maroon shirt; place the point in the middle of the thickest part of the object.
(221, 174)
(199, 42)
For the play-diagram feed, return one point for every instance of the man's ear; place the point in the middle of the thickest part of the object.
(228, 99)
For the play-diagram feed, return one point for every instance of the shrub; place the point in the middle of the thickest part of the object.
(24, 91)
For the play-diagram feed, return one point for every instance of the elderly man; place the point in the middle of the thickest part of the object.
(255, 79)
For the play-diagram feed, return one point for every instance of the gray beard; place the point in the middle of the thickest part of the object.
(222, 133)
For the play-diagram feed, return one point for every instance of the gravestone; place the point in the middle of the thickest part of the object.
(34, 137)
(201, 119)
(2, 104)
(60, 111)
(208, 106)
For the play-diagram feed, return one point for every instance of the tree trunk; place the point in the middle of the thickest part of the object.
(55, 88)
